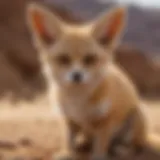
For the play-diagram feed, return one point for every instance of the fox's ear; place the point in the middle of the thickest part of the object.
(44, 25)
(108, 27)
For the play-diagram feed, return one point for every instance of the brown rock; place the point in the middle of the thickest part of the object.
(142, 70)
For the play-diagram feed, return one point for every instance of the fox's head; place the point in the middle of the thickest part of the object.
(78, 55)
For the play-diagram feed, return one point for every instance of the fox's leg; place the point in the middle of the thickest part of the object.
(131, 137)
(67, 152)
(107, 130)
(135, 132)
(102, 140)
(100, 145)
(138, 135)
(122, 141)
(73, 130)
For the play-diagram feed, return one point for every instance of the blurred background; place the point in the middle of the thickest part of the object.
(28, 131)
(139, 52)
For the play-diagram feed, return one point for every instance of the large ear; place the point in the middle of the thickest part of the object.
(44, 25)
(108, 27)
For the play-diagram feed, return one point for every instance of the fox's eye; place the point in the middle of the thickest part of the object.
(63, 60)
(89, 59)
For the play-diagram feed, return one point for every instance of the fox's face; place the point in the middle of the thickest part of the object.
(77, 60)
(77, 55)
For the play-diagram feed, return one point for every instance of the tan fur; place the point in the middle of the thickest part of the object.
(104, 86)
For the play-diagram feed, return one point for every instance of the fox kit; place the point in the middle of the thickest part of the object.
(94, 94)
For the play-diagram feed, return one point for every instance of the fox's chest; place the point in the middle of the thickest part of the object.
(78, 113)
(82, 112)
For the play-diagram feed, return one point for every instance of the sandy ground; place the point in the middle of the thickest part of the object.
(33, 132)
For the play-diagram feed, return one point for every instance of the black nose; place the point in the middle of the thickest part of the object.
(77, 77)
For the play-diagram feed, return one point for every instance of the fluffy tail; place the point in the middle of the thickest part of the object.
(153, 141)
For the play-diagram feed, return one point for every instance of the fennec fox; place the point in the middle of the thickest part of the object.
(94, 94)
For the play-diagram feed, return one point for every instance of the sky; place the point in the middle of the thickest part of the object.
(144, 2)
